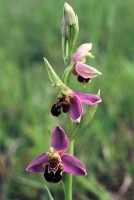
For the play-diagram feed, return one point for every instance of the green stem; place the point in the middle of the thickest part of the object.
(69, 177)
(65, 49)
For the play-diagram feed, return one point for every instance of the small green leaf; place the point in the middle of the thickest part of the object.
(49, 193)
(52, 75)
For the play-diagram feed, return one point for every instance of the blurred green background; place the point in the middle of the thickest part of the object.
(29, 31)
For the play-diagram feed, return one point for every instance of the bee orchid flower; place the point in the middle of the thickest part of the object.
(84, 72)
(54, 162)
(71, 102)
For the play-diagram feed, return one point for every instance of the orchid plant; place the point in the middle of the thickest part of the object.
(55, 161)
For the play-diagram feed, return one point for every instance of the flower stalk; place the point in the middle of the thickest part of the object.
(69, 177)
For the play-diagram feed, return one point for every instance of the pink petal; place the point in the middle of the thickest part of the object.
(59, 139)
(36, 165)
(82, 51)
(89, 99)
(72, 165)
(85, 70)
(75, 109)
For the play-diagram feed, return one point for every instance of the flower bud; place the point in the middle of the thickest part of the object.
(69, 14)
(64, 29)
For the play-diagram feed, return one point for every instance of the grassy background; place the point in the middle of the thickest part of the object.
(29, 31)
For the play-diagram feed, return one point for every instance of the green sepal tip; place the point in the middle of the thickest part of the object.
(55, 80)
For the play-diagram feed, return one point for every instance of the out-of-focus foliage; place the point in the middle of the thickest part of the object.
(29, 31)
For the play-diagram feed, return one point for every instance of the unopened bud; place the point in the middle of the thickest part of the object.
(69, 14)
(64, 29)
